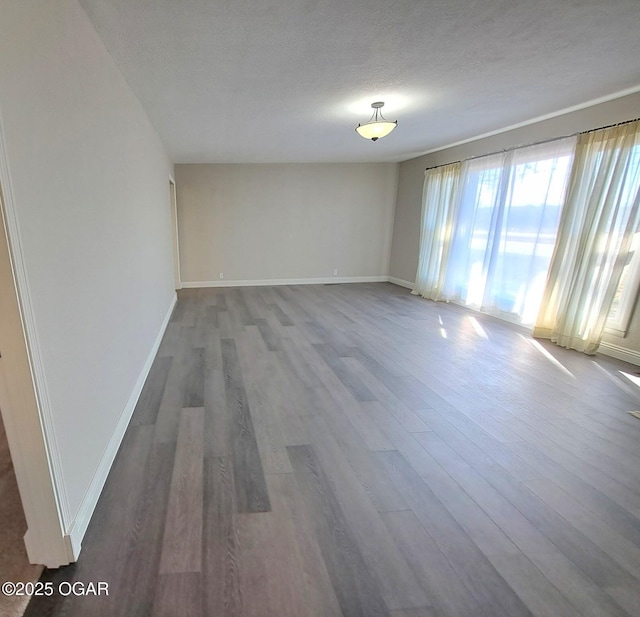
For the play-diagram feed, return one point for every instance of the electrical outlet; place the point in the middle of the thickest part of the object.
(335, 272)
(221, 275)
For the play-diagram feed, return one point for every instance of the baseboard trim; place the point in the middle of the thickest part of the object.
(83, 517)
(41, 554)
(401, 282)
(274, 282)
(621, 353)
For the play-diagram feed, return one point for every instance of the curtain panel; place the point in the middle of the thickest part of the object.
(439, 200)
(599, 219)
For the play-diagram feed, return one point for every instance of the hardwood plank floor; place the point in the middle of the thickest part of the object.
(353, 450)
(182, 543)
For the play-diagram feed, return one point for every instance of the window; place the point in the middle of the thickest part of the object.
(626, 295)
(625, 299)
(507, 220)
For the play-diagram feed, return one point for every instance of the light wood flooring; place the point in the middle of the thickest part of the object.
(355, 451)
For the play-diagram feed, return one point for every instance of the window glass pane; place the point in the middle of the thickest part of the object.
(527, 236)
(506, 229)
(624, 300)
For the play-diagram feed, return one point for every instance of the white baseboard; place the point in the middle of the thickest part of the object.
(83, 517)
(401, 282)
(40, 553)
(305, 281)
(621, 353)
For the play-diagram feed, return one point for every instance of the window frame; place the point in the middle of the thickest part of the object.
(619, 326)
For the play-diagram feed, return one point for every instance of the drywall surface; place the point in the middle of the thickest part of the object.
(284, 221)
(90, 189)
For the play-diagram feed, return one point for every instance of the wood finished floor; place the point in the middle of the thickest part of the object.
(354, 450)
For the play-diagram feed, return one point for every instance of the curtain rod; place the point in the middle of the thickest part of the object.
(535, 143)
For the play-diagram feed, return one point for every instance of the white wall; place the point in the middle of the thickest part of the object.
(406, 233)
(284, 222)
(91, 197)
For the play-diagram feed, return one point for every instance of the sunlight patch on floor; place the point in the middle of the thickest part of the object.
(475, 324)
(538, 347)
(634, 379)
(623, 385)
(443, 332)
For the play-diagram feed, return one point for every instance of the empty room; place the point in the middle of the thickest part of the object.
(320, 308)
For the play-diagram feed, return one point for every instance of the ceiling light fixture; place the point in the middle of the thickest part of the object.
(377, 126)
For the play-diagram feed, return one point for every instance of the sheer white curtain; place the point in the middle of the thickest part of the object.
(507, 214)
(599, 219)
(439, 197)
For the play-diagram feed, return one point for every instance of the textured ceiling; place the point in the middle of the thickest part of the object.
(288, 80)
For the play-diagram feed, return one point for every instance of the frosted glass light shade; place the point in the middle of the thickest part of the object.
(375, 130)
